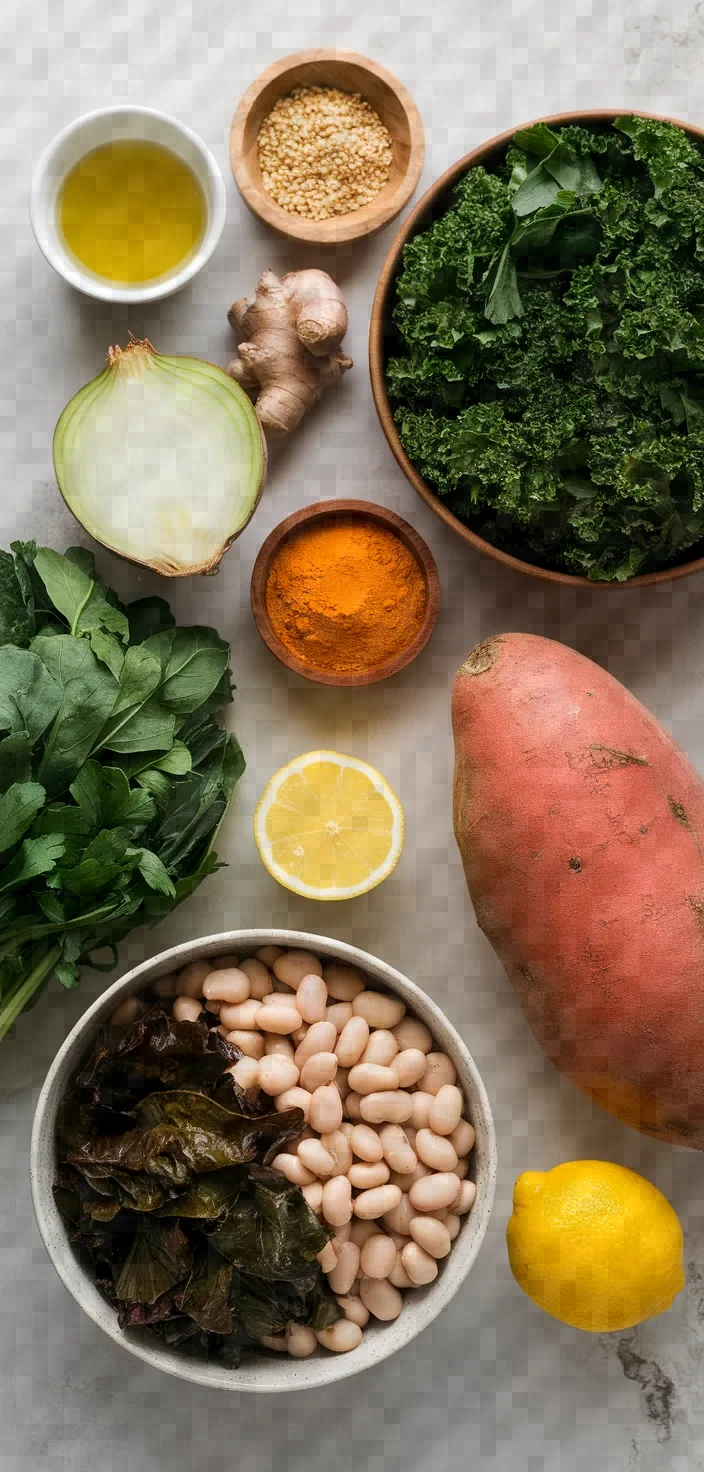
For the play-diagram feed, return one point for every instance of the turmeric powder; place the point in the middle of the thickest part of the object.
(345, 595)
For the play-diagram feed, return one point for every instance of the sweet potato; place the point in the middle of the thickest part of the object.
(580, 823)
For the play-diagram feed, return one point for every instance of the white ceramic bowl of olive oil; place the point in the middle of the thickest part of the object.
(127, 204)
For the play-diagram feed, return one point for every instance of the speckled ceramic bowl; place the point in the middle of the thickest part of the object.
(274, 1372)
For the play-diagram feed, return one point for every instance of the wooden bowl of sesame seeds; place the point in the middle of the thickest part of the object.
(344, 155)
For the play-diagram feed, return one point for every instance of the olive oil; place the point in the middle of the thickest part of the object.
(131, 211)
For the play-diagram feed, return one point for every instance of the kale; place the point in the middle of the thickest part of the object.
(548, 380)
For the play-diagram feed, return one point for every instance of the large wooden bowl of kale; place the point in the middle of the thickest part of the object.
(537, 348)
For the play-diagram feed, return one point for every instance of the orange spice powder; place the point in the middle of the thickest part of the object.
(345, 595)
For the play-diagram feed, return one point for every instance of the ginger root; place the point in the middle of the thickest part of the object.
(290, 349)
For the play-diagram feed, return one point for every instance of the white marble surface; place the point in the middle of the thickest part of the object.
(494, 1383)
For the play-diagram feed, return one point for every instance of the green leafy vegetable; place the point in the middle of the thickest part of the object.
(114, 774)
(549, 375)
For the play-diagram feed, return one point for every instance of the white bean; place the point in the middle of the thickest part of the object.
(420, 1113)
(378, 1256)
(366, 1174)
(300, 1340)
(398, 1275)
(325, 1112)
(463, 1137)
(381, 1048)
(420, 1266)
(190, 980)
(439, 1070)
(453, 1224)
(317, 1070)
(269, 954)
(465, 1198)
(165, 986)
(313, 1195)
(352, 1041)
(342, 1276)
(249, 1043)
(372, 1078)
(298, 1036)
(227, 986)
(320, 1038)
(435, 1191)
(339, 1014)
(337, 1201)
(376, 1202)
(410, 1033)
(398, 1238)
(315, 1157)
(241, 1016)
(355, 1310)
(431, 1235)
(341, 1337)
(213, 1008)
(128, 1011)
(462, 1168)
(446, 1110)
(312, 999)
(280, 995)
(275, 1341)
(352, 1106)
(381, 1298)
(281, 1019)
(259, 978)
(337, 1145)
(186, 1009)
(277, 1074)
(378, 1009)
(293, 1169)
(294, 1099)
(435, 1151)
(410, 1066)
(343, 982)
(360, 1231)
(245, 1072)
(282, 1047)
(397, 1178)
(342, 1083)
(294, 965)
(366, 1143)
(397, 1150)
(401, 1216)
(342, 1234)
(328, 1258)
(224, 963)
(386, 1107)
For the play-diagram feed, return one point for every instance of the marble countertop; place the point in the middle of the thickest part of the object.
(493, 1383)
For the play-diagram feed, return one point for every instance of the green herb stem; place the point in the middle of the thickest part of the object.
(25, 989)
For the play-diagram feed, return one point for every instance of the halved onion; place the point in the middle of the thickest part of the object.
(161, 459)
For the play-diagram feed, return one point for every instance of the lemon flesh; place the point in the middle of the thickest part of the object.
(595, 1245)
(328, 826)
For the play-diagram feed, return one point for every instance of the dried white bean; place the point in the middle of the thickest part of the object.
(343, 982)
(320, 1038)
(378, 1009)
(245, 1072)
(386, 1107)
(381, 1048)
(381, 1298)
(453, 1224)
(277, 1074)
(352, 1106)
(250, 1043)
(410, 1033)
(128, 1011)
(325, 1112)
(312, 999)
(431, 1235)
(439, 1071)
(354, 1310)
(342, 1276)
(420, 1266)
(328, 1258)
(377, 1256)
(446, 1110)
(227, 986)
(372, 1078)
(435, 1151)
(361, 1231)
(337, 1201)
(376, 1202)
(313, 1195)
(339, 1014)
(463, 1137)
(337, 1145)
(190, 980)
(294, 1099)
(366, 1143)
(241, 1016)
(366, 1174)
(269, 954)
(341, 1337)
(165, 986)
(315, 1157)
(465, 1198)
(410, 1066)
(186, 1009)
(294, 965)
(223, 963)
(398, 1275)
(401, 1216)
(317, 1070)
(420, 1113)
(281, 1019)
(300, 1340)
(293, 1169)
(259, 978)
(397, 1150)
(435, 1191)
(352, 1041)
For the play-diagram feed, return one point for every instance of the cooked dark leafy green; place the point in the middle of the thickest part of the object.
(548, 374)
(114, 775)
(164, 1181)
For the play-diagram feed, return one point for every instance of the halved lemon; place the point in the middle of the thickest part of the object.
(328, 826)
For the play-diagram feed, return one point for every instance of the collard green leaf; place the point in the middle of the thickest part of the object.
(88, 692)
(29, 696)
(272, 1232)
(210, 1196)
(193, 662)
(206, 1296)
(160, 1257)
(18, 808)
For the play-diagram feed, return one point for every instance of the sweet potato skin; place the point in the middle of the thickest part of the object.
(580, 823)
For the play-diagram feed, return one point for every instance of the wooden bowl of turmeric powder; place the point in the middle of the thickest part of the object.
(345, 592)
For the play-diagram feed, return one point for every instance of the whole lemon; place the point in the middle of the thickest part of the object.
(595, 1245)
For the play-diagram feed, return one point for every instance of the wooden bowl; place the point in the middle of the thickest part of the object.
(383, 340)
(328, 511)
(351, 73)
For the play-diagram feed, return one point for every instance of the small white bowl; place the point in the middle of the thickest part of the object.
(107, 126)
(261, 1372)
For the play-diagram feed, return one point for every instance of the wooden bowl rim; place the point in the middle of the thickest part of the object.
(320, 511)
(385, 284)
(340, 228)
